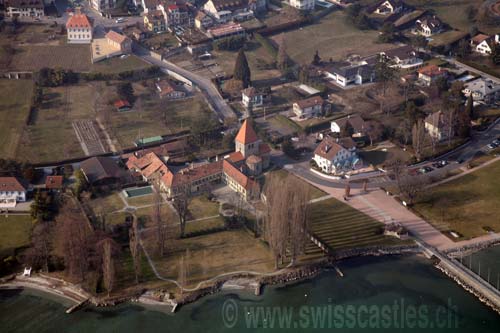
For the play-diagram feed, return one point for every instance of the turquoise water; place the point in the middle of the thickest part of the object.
(372, 284)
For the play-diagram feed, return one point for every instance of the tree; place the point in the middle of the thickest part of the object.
(469, 106)
(384, 72)
(412, 187)
(347, 130)
(242, 70)
(287, 148)
(495, 54)
(397, 168)
(303, 74)
(182, 279)
(161, 231)
(316, 59)
(81, 183)
(463, 123)
(109, 249)
(463, 49)
(181, 204)
(283, 61)
(374, 130)
(418, 138)
(420, 42)
(38, 255)
(135, 250)
(126, 91)
(442, 85)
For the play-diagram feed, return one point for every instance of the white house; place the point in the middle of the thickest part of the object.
(428, 26)
(403, 57)
(335, 156)
(356, 122)
(24, 8)
(437, 127)
(224, 10)
(11, 192)
(482, 90)
(79, 28)
(303, 4)
(347, 74)
(482, 44)
(309, 107)
(388, 7)
(251, 98)
(168, 90)
(102, 5)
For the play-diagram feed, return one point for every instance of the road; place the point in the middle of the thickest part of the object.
(469, 68)
(210, 92)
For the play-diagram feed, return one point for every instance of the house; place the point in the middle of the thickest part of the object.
(149, 5)
(203, 21)
(482, 44)
(79, 28)
(223, 10)
(226, 30)
(334, 156)
(355, 122)
(150, 166)
(482, 90)
(428, 26)
(194, 179)
(122, 105)
(345, 74)
(168, 90)
(388, 7)
(54, 183)
(251, 98)
(154, 21)
(257, 6)
(403, 57)
(120, 42)
(429, 74)
(233, 177)
(248, 143)
(24, 8)
(303, 4)
(101, 170)
(437, 127)
(12, 191)
(102, 5)
(309, 107)
(178, 15)
(137, 33)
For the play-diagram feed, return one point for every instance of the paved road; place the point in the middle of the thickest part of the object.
(211, 93)
(469, 68)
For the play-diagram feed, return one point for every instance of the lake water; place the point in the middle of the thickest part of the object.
(391, 292)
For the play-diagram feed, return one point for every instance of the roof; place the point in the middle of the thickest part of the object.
(250, 92)
(403, 52)
(264, 149)
(236, 157)
(483, 86)
(310, 102)
(121, 103)
(235, 174)
(116, 37)
(155, 15)
(431, 22)
(226, 29)
(328, 148)
(229, 4)
(24, 4)
(99, 168)
(54, 182)
(11, 184)
(148, 165)
(172, 148)
(432, 70)
(200, 15)
(357, 123)
(78, 21)
(479, 38)
(254, 159)
(165, 87)
(246, 134)
(189, 175)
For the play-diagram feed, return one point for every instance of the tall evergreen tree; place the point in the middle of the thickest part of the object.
(282, 58)
(495, 54)
(469, 106)
(242, 70)
(316, 59)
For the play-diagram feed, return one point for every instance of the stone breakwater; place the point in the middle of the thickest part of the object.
(470, 249)
(467, 287)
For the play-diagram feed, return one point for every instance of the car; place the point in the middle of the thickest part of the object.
(492, 146)
(440, 164)
(120, 20)
(425, 170)
(496, 141)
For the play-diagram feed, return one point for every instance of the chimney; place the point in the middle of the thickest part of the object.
(216, 158)
(78, 10)
(191, 166)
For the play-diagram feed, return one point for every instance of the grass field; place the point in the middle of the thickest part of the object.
(465, 205)
(342, 227)
(334, 38)
(117, 65)
(315, 192)
(201, 207)
(51, 135)
(15, 232)
(15, 102)
(35, 57)
(447, 38)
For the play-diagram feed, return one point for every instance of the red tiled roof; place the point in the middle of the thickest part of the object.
(121, 103)
(246, 134)
(479, 38)
(309, 102)
(236, 157)
(116, 37)
(165, 87)
(328, 148)
(232, 172)
(11, 184)
(54, 182)
(264, 149)
(253, 159)
(189, 175)
(78, 21)
(432, 70)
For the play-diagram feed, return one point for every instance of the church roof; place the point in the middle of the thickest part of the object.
(246, 133)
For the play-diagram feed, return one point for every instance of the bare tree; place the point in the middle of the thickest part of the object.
(347, 191)
(182, 279)
(397, 167)
(299, 197)
(135, 249)
(275, 227)
(109, 249)
(38, 254)
(181, 206)
(418, 138)
(161, 230)
(412, 187)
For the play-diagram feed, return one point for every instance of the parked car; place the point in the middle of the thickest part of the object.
(120, 20)
(440, 164)
(425, 170)
(492, 145)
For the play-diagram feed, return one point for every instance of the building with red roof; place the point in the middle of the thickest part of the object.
(54, 182)
(79, 28)
(12, 191)
(429, 74)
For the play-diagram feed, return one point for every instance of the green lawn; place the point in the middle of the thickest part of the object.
(447, 38)
(15, 102)
(465, 205)
(333, 37)
(201, 207)
(342, 227)
(117, 65)
(15, 232)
